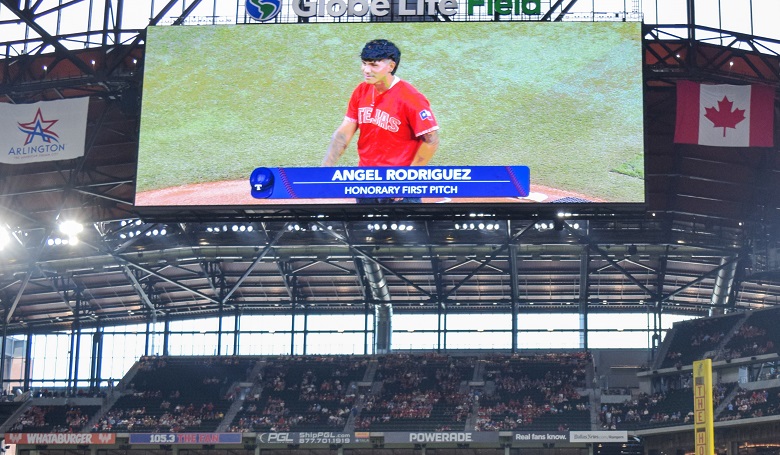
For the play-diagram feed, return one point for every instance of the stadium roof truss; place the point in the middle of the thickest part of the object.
(708, 242)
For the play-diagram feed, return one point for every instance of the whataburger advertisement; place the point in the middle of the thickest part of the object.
(527, 112)
(60, 438)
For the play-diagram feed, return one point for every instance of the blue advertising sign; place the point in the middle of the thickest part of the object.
(390, 182)
(185, 438)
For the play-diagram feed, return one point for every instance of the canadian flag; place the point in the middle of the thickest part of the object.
(725, 115)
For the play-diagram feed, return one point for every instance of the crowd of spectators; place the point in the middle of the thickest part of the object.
(693, 339)
(423, 390)
(53, 419)
(671, 407)
(749, 340)
(752, 403)
(644, 410)
(175, 418)
(300, 393)
(176, 394)
(79, 393)
(530, 388)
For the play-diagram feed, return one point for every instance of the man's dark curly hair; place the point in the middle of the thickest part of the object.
(380, 49)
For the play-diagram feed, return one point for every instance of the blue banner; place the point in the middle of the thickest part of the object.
(390, 182)
(185, 438)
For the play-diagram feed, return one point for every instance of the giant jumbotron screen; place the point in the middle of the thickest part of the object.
(528, 112)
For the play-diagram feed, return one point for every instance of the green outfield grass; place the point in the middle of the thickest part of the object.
(564, 99)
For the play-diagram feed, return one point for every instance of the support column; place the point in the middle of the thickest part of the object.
(28, 361)
(236, 330)
(584, 296)
(383, 328)
(2, 355)
(514, 293)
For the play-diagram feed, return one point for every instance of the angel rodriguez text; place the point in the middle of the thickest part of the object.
(405, 175)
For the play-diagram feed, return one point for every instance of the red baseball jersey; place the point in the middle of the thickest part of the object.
(390, 123)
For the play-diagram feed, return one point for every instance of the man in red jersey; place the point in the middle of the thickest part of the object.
(397, 127)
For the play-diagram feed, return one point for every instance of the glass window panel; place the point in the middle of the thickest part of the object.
(16, 347)
(707, 12)
(336, 322)
(671, 12)
(49, 360)
(125, 328)
(649, 11)
(479, 340)
(612, 339)
(489, 321)
(95, 22)
(402, 322)
(84, 368)
(668, 320)
(12, 32)
(549, 340)
(272, 322)
(403, 341)
(228, 323)
(136, 16)
(548, 321)
(156, 341)
(335, 343)
(203, 14)
(225, 12)
(196, 325)
(735, 16)
(612, 6)
(620, 321)
(765, 19)
(47, 21)
(264, 344)
(74, 18)
(193, 344)
(120, 351)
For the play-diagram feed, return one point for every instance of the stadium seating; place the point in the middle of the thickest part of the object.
(693, 339)
(302, 394)
(176, 394)
(758, 335)
(393, 392)
(535, 393)
(752, 403)
(53, 419)
(425, 392)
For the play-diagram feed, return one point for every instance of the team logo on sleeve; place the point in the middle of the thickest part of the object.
(425, 114)
(263, 10)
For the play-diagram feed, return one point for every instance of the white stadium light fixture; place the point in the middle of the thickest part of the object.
(71, 227)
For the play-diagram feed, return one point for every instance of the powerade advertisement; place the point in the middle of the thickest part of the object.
(478, 112)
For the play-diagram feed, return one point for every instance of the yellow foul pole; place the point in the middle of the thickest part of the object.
(704, 432)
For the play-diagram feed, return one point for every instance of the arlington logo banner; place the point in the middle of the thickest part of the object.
(43, 131)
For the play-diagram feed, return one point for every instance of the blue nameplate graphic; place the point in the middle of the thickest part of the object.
(185, 438)
(389, 182)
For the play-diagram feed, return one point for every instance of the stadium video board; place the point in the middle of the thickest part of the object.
(527, 112)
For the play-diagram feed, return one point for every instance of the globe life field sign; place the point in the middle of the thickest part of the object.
(528, 112)
(266, 10)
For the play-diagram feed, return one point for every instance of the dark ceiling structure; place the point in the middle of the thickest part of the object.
(707, 242)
